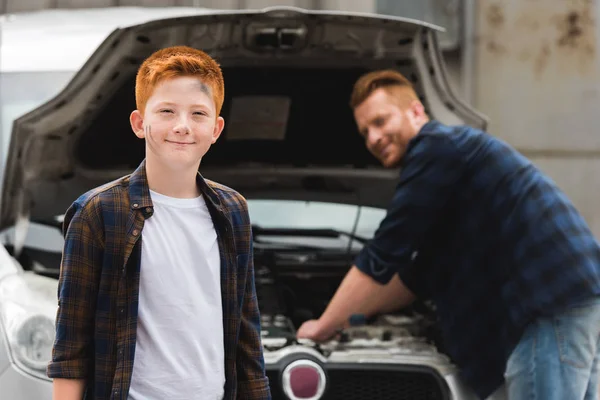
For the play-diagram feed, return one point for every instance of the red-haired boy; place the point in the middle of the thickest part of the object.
(156, 292)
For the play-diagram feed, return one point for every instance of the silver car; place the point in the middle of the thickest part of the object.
(290, 146)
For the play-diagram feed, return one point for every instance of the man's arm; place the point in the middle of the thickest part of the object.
(358, 294)
(77, 289)
(252, 381)
(384, 276)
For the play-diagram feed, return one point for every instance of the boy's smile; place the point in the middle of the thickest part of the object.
(181, 143)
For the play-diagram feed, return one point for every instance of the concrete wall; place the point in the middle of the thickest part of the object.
(537, 76)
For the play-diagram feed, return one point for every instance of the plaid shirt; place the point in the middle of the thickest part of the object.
(98, 289)
(478, 229)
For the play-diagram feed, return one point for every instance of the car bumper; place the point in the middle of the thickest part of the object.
(18, 385)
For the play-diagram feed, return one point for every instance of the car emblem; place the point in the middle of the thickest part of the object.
(304, 380)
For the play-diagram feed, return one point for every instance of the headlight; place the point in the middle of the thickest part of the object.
(27, 314)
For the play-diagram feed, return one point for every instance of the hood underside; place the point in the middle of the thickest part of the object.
(289, 132)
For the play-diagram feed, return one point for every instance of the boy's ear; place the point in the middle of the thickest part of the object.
(137, 124)
(219, 125)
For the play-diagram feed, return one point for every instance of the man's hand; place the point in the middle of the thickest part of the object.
(357, 294)
(314, 330)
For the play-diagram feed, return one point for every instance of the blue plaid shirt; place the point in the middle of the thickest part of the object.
(478, 229)
(98, 289)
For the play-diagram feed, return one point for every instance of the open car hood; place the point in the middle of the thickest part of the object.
(289, 132)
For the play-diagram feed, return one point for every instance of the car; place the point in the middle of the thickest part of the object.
(290, 146)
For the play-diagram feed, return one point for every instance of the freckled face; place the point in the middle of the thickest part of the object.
(179, 122)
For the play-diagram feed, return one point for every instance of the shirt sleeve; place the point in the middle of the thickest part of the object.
(77, 292)
(429, 176)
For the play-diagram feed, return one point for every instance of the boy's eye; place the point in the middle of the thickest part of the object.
(199, 113)
(166, 111)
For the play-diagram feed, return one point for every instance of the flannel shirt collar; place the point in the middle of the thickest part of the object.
(139, 191)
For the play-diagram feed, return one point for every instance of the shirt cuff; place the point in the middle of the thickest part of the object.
(70, 369)
(368, 263)
(411, 276)
(256, 389)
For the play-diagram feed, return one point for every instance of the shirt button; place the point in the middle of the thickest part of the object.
(148, 209)
(136, 205)
(122, 310)
(135, 232)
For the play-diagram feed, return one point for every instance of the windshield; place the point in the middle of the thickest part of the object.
(362, 221)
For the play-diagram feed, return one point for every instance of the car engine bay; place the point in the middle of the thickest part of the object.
(295, 286)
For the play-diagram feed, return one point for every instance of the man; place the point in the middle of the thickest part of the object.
(156, 291)
(511, 265)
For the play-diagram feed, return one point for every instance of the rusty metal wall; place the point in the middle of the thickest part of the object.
(537, 76)
(13, 6)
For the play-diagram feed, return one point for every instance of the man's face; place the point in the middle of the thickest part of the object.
(386, 127)
(179, 123)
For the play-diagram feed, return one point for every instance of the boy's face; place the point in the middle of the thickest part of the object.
(179, 123)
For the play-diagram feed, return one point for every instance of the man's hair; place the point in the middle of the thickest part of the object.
(174, 62)
(392, 81)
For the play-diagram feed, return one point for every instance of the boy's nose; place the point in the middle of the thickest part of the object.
(181, 127)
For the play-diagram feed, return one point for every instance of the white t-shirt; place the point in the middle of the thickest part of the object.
(179, 348)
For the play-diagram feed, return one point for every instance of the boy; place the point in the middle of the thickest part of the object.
(158, 264)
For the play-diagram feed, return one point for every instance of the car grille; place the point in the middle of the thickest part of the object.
(374, 384)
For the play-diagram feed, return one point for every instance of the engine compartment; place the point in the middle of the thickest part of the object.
(293, 287)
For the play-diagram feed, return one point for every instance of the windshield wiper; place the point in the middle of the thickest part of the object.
(306, 232)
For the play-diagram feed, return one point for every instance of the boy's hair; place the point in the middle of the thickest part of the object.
(391, 81)
(174, 62)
